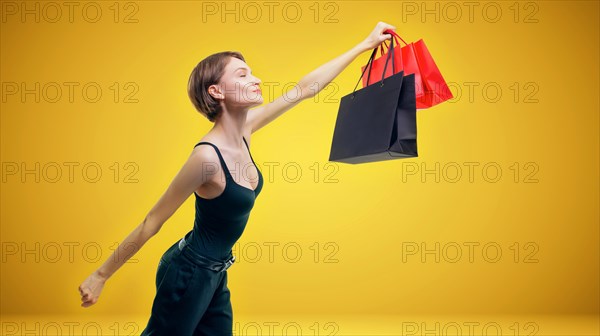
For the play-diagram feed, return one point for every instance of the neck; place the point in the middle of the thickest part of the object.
(230, 126)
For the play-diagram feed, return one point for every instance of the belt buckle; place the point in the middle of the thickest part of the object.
(228, 263)
(182, 243)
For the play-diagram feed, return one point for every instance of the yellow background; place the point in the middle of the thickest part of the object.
(351, 223)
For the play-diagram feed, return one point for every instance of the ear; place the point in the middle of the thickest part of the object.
(215, 92)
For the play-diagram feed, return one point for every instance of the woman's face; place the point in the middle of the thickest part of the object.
(238, 86)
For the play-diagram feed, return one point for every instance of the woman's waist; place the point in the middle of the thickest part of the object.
(203, 258)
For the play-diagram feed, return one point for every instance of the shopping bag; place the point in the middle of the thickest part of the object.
(378, 122)
(414, 58)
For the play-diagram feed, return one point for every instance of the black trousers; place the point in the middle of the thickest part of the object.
(190, 299)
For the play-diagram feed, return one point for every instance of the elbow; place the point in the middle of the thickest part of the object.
(305, 93)
(150, 226)
(303, 90)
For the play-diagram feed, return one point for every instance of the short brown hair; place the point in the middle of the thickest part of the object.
(206, 73)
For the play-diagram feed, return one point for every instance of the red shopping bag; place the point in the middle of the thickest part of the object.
(414, 58)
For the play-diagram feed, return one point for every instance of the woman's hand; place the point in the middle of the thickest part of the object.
(90, 289)
(377, 37)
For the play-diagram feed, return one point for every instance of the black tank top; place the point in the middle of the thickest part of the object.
(220, 221)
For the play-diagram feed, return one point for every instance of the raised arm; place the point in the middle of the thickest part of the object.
(315, 81)
(195, 172)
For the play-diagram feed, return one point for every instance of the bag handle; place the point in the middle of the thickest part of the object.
(395, 36)
(388, 59)
(370, 65)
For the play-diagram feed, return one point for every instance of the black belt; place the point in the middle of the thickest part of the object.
(202, 261)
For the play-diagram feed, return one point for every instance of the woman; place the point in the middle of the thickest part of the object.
(192, 295)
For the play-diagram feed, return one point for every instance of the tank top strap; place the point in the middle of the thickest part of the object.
(251, 158)
(223, 164)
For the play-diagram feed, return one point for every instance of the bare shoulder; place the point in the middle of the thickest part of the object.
(205, 158)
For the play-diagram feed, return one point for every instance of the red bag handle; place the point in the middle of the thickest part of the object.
(393, 33)
(395, 36)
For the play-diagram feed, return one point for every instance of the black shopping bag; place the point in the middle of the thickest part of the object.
(377, 122)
